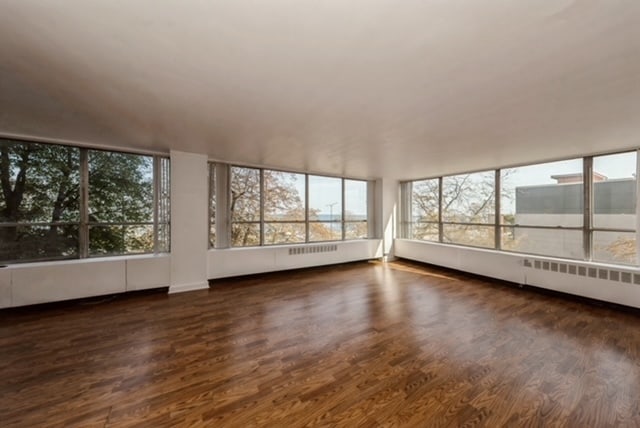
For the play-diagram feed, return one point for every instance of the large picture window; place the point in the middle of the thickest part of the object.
(542, 209)
(468, 209)
(39, 202)
(120, 203)
(284, 202)
(582, 208)
(62, 202)
(355, 209)
(245, 207)
(425, 217)
(614, 208)
(325, 208)
(270, 207)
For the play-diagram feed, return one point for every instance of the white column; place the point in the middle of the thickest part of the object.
(189, 221)
(387, 194)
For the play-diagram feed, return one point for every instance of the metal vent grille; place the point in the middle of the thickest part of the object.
(313, 249)
(590, 272)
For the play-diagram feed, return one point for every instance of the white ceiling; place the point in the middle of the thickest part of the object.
(364, 88)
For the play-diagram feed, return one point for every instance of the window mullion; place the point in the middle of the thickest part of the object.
(587, 180)
(84, 204)
(637, 261)
(440, 225)
(262, 206)
(156, 201)
(343, 211)
(306, 207)
(497, 193)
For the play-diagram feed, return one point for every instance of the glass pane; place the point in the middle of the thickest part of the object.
(325, 198)
(40, 183)
(24, 242)
(469, 198)
(325, 232)
(164, 238)
(614, 191)
(164, 206)
(212, 236)
(547, 194)
(245, 194)
(477, 236)
(356, 230)
(120, 187)
(614, 247)
(139, 239)
(284, 196)
(284, 233)
(355, 200)
(245, 234)
(546, 242)
(212, 205)
(425, 231)
(424, 201)
(118, 239)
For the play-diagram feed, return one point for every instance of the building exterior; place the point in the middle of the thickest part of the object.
(560, 206)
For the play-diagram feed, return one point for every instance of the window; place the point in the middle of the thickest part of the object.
(245, 207)
(44, 213)
(325, 208)
(270, 207)
(468, 209)
(284, 213)
(39, 202)
(121, 203)
(162, 218)
(425, 197)
(212, 205)
(545, 209)
(614, 208)
(355, 209)
(541, 209)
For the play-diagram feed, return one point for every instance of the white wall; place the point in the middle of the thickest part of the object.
(494, 264)
(246, 261)
(189, 221)
(511, 267)
(386, 209)
(31, 283)
(5, 288)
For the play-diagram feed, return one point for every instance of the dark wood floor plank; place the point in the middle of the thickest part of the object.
(365, 344)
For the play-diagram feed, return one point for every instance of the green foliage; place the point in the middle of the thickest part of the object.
(40, 183)
(120, 187)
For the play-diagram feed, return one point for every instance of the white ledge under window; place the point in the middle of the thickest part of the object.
(118, 258)
(226, 262)
(601, 281)
(51, 281)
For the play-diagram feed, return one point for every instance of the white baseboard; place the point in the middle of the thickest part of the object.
(181, 288)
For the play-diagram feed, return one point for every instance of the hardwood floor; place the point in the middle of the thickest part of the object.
(363, 344)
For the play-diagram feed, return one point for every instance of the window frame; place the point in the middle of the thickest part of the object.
(588, 230)
(160, 215)
(441, 214)
(262, 222)
(505, 226)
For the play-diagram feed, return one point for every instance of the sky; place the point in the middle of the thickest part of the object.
(622, 165)
(325, 194)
